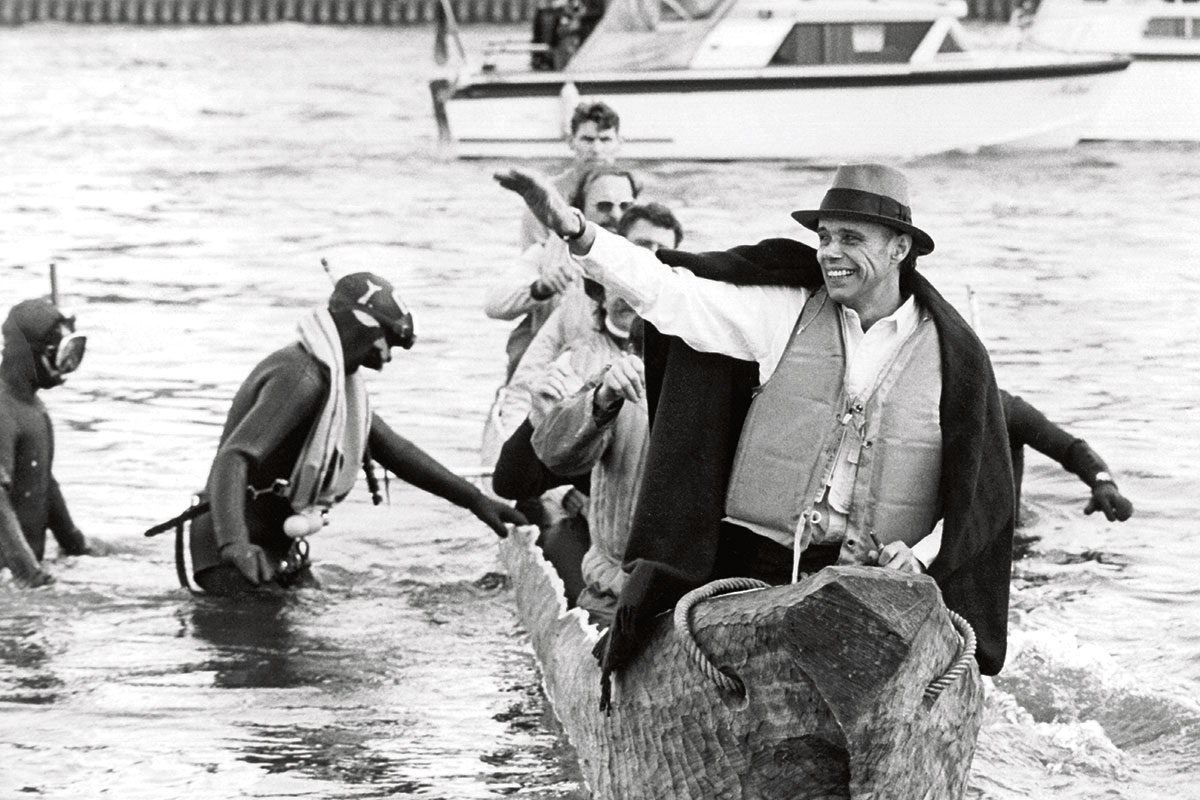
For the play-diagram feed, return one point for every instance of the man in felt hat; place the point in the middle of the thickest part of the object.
(299, 431)
(41, 348)
(845, 407)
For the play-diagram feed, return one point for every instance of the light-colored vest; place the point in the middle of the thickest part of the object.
(795, 426)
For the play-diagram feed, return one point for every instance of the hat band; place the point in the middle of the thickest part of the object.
(860, 202)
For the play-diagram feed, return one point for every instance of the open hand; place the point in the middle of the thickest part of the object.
(498, 516)
(624, 378)
(544, 201)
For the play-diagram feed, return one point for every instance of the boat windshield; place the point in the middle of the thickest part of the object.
(648, 34)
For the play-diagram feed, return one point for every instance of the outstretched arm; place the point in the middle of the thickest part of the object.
(1027, 425)
(413, 465)
(711, 316)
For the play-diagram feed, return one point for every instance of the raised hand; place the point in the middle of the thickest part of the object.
(625, 378)
(544, 201)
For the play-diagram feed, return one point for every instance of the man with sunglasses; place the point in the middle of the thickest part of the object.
(299, 431)
(41, 348)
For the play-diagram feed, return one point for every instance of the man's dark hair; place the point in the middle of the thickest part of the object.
(656, 214)
(600, 113)
(599, 172)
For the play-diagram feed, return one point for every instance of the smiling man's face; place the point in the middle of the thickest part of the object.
(860, 260)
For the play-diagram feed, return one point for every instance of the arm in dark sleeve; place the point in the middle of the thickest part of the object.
(284, 400)
(519, 473)
(70, 540)
(1027, 425)
(15, 551)
(412, 464)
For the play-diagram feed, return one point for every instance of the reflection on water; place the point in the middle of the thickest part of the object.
(187, 182)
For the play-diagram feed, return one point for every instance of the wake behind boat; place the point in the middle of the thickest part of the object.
(852, 683)
(811, 80)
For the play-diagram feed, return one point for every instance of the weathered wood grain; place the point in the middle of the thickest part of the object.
(835, 668)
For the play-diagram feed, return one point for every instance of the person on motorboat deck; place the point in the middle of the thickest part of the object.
(815, 411)
(546, 273)
(41, 348)
(298, 431)
(594, 141)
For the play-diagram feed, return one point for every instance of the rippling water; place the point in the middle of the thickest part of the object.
(187, 182)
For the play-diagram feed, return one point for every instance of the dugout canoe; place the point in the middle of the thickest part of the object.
(858, 683)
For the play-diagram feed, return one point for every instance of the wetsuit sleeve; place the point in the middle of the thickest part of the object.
(15, 552)
(285, 400)
(14, 549)
(1028, 426)
(412, 464)
(70, 539)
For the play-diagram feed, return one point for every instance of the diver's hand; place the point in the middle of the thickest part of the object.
(897, 556)
(497, 516)
(34, 578)
(250, 560)
(1107, 497)
(97, 547)
(544, 201)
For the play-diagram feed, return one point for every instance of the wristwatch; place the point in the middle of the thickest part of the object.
(1103, 477)
(572, 237)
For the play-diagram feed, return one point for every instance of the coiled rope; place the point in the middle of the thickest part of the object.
(683, 625)
(966, 653)
(732, 683)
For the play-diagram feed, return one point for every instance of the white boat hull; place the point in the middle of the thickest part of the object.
(810, 116)
(1154, 101)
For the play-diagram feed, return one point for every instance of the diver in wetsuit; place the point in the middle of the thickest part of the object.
(40, 349)
(298, 432)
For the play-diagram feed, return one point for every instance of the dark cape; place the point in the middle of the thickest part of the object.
(698, 403)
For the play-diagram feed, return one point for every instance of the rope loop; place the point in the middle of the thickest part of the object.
(683, 625)
(966, 653)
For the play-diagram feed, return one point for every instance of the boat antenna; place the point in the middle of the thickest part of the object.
(54, 284)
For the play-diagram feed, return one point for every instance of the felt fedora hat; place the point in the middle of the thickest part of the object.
(873, 193)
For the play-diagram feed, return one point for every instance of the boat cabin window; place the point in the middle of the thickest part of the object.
(1172, 28)
(853, 43)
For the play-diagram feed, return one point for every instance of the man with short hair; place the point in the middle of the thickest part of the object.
(595, 141)
(41, 348)
(870, 411)
(298, 432)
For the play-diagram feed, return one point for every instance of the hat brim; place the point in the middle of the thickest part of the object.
(921, 240)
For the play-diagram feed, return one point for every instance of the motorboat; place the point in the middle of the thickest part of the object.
(1158, 97)
(809, 80)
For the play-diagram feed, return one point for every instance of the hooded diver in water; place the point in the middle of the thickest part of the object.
(41, 348)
